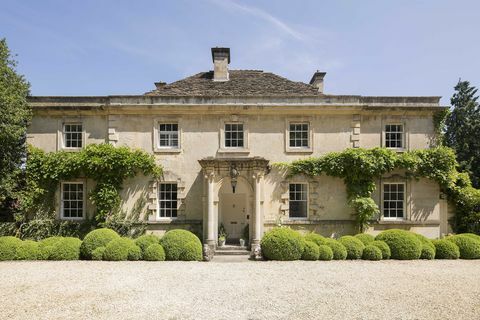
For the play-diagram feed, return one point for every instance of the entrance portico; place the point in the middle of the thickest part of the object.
(234, 194)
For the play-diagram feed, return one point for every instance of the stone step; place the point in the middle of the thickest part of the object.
(232, 253)
(231, 247)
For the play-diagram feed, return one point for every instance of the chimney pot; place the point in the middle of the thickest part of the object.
(160, 84)
(317, 80)
(221, 59)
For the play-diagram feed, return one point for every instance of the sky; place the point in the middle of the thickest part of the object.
(106, 47)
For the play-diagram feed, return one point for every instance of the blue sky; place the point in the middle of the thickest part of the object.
(96, 47)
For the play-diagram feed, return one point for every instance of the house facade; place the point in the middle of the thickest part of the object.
(218, 136)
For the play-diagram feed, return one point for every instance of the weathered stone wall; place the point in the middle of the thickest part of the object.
(265, 137)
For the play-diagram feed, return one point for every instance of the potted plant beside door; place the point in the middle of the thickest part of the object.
(222, 235)
(245, 236)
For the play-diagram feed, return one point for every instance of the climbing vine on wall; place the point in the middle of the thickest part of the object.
(107, 165)
(359, 168)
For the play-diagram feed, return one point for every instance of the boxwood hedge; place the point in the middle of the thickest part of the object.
(282, 244)
(146, 240)
(315, 237)
(469, 246)
(365, 238)
(97, 254)
(154, 252)
(372, 253)
(384, 248)
(445, 249)
(339, 251)
(311, 251)
(96, 238)
(27, 250)
(181, 245)
(428, 249)
(45, 247)
(325, 253)
(118, 249)
(8, 247)
(67, 248)
(404, 245)
(353, 245)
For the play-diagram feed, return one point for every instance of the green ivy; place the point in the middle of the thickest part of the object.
(359, 168)
(107, 165)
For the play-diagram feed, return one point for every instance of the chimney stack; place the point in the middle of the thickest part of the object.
(317, 80)
(221, 59)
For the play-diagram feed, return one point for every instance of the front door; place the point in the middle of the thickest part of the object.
(234, 214)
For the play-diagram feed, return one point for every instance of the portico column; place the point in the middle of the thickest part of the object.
(209, 245)
(256, 253)
(210, 213)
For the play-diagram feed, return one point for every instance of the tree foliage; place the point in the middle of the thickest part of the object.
(15, 115)
(463, 130)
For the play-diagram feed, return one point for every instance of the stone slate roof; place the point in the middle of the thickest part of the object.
(241, 83)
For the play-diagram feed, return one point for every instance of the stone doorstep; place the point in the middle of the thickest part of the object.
(230, 247)
(232, 253)
(232, 250)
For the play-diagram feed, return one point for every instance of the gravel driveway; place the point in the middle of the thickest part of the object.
(251, 290)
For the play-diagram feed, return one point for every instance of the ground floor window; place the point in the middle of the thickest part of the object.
(394, 200)
(167, 200)
(298, 200)
(73, 200)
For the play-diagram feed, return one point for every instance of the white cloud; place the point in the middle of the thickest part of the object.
(259, 13)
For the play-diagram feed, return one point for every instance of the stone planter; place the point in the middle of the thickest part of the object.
(242, 242)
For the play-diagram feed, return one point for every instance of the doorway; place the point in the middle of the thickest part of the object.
(233, 215)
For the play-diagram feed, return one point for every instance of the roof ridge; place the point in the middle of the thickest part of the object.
(242, 82)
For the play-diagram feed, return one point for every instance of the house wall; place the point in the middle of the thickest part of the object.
(201, 138)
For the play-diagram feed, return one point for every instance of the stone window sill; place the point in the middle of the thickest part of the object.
(234, 150)
(71, 149)
(299, 150)
(167, 150)
(408, 222)
(174, 221)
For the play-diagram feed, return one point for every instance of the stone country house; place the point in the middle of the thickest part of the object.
(217, 134)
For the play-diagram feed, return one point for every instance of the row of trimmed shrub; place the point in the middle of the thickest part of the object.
(287, 244)
(105, 244)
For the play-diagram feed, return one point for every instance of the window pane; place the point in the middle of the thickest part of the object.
(72, 200)
(168, 200)
(234, 135)
(298, 200)
(168, 135)
(298, 135)
(72, 135)
(394, 136)
(393, 200)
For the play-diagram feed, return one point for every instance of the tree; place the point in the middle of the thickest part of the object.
(15, 115)
(463, 130)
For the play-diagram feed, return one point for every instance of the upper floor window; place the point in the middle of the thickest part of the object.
(167, 200)
(394, 136)
(299, 135)
(234, 136)
(298, 200)
(168, 135)
(73, 200)
(73, 135)
(394, 200)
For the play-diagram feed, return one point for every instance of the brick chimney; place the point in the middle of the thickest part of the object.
(317, 80)
(221, 59)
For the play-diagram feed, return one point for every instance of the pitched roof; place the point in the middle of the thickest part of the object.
(241, 83)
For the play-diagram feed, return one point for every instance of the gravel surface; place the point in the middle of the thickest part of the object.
(248, 290)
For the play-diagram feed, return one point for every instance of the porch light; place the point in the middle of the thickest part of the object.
(233, 176)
